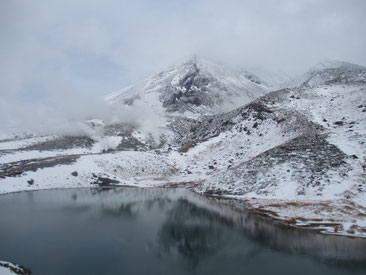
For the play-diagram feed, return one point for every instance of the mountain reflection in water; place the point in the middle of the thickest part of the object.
(134, 231)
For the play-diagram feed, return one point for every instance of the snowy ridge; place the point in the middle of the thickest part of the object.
(330, 72)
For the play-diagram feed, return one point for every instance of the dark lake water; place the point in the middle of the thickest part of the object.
(160, 231)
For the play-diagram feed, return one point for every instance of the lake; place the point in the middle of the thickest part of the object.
(160, 231)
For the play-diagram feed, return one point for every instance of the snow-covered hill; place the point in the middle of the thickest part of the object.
(295, 154)
(330, 72)
(197, 87)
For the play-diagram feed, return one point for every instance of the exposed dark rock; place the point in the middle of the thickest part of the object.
(103, 181)
(191, 90)
(211, 192)
(75, 173)
(17, 168)
(253, 78)
(63, 143)
(280, 120)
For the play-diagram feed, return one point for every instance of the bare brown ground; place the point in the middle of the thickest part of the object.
(306, 214)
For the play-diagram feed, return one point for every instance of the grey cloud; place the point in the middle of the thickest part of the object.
(84, 49)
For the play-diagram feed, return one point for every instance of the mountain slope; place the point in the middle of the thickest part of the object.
(198, 87)
(295, 153)
(330, 72)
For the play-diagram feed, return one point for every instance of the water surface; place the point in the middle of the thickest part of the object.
(160, 231)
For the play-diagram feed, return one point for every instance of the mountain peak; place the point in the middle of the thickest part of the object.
(198, 86)
(205, 65)
(191, 59)
(333, 64)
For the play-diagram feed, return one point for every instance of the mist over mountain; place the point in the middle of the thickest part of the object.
(52, 69)
(197, 86)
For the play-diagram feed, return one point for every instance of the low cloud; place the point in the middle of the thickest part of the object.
(69, 116)
(59, 58)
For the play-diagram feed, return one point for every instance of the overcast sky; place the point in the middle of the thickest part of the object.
(57, 53)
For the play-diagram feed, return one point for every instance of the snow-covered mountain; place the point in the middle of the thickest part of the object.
(198, 86)
(330, 72)
(276, 79)
(295, 154)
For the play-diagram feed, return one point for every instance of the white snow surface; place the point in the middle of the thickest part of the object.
(7, 271)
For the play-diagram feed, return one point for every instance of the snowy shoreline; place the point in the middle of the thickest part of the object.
(304, 221)
(7, 268)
